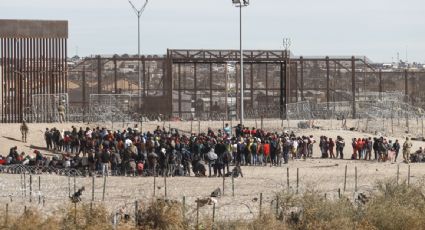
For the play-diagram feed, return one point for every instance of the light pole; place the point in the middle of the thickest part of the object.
(286, 45)
(139, 14)
(240, 4)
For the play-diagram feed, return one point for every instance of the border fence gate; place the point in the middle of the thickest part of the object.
(45, 107)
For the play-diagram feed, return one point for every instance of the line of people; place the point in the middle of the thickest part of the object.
(162, 152)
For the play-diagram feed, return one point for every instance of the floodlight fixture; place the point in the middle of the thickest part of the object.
(240, 3)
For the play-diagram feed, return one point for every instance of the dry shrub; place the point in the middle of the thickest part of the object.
(397, 207)
(315, 212)
(265, 221)
(391, 207)
(87, 218)
(162, 214)
(31, 220)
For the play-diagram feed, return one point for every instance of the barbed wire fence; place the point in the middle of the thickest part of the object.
(25, 187)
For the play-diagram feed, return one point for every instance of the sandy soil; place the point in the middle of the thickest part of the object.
(324, 175)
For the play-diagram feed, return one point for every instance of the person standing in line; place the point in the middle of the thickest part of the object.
(311, 142)
(340, 144)
(396, 147)
(331, 148)
(266, 150)
(260, 152)
(294, 147)
(369, 145)
(375, 147)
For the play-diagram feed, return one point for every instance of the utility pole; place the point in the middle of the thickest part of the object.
(139, 77)
(240, 4)
(286, 45)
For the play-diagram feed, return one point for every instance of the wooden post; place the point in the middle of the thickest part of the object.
(355, 179)
(22, 184)
(25, 185)
(165, 186)
(92, 189)
(197, 215)
(345, 178)
(223, 183)
(277, 205)
(191, 126)
(261, 203)
(298, 178)
(199, 126)
(75, 215)
(398, 172)
(261, 124)
(141, 125)
(256, 123)
(75, 184)
(213, 215)
(184, 207)
(104, 188)
(417, 122)
(7, 215)
(383, 124)
(287, 177)
(136, 207)
(30, 188)
(39, 189)
(154, 185)
(233, 186)
(367, 124)
(392, 125)
(339, 193)
(69, 186)
(408, 175)
(407, 123)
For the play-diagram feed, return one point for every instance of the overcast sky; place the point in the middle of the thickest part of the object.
(375, 28)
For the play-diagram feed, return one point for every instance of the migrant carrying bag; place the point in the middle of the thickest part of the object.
(212, 156)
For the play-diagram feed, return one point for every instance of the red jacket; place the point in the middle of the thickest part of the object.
(266, 149)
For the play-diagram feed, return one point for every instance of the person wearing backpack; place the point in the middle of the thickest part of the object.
(340, 144)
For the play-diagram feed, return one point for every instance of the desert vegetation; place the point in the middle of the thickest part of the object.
(392, 205)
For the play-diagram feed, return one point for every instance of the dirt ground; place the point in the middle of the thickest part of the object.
(323, 175)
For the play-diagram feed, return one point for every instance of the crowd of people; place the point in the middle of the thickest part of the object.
(168, 152)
